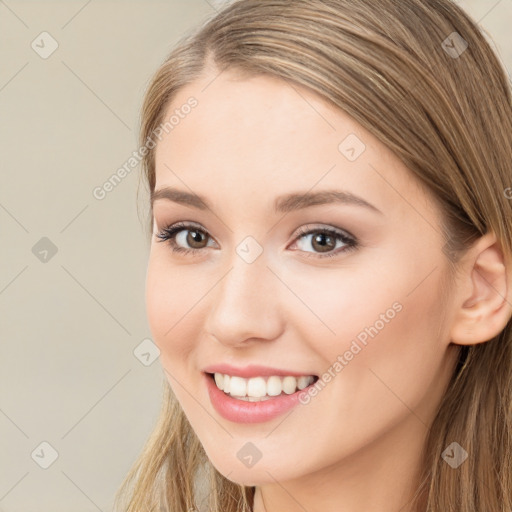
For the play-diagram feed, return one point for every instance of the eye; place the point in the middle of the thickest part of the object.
(325, 241)
(178, 233)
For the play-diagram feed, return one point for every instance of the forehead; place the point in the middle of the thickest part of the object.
(264, 136)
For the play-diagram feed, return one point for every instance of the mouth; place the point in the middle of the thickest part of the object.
(260, 388)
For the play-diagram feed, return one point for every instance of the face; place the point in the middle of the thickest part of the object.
(345, 291)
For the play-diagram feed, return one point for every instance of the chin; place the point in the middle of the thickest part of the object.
(261, 473)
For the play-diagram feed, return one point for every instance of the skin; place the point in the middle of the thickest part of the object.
(356, 445)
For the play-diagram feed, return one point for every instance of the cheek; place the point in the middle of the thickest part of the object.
(391, 353)
(374, 297)
(169, 300)
(383, 316)
(341, 304)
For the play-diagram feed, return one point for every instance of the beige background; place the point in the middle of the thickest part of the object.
(69, 375)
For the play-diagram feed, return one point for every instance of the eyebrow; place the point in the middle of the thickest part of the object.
(283, 204)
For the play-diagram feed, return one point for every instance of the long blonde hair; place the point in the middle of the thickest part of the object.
(445, 110)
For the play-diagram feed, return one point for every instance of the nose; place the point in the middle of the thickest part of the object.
(245, 304)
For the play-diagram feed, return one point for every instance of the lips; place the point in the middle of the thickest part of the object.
(254, 371)
(245, 410)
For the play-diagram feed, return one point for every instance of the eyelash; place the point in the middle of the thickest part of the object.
(168, 234)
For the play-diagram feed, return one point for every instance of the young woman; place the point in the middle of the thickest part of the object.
(330, 274)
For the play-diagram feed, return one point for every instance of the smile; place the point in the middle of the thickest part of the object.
(258, 389)
(242, 408)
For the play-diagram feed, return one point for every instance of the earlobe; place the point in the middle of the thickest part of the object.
(486, 294)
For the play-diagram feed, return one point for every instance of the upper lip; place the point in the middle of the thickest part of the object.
(252, 370)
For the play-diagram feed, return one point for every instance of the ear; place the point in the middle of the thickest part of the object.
(485, 293)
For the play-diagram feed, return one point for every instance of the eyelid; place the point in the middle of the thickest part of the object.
(179, 226)
(303, 230)
(308, 228)
(350, 241)
(168, 234)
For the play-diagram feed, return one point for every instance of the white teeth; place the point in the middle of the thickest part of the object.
(289, 385)
(274, 386)
(258, 389)
(219, 380)
(237, 386)
(303, 382)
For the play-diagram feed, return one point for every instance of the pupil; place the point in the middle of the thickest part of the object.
(196, 236)
(321, 239)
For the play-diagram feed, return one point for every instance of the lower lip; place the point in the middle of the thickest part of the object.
(241, 411)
